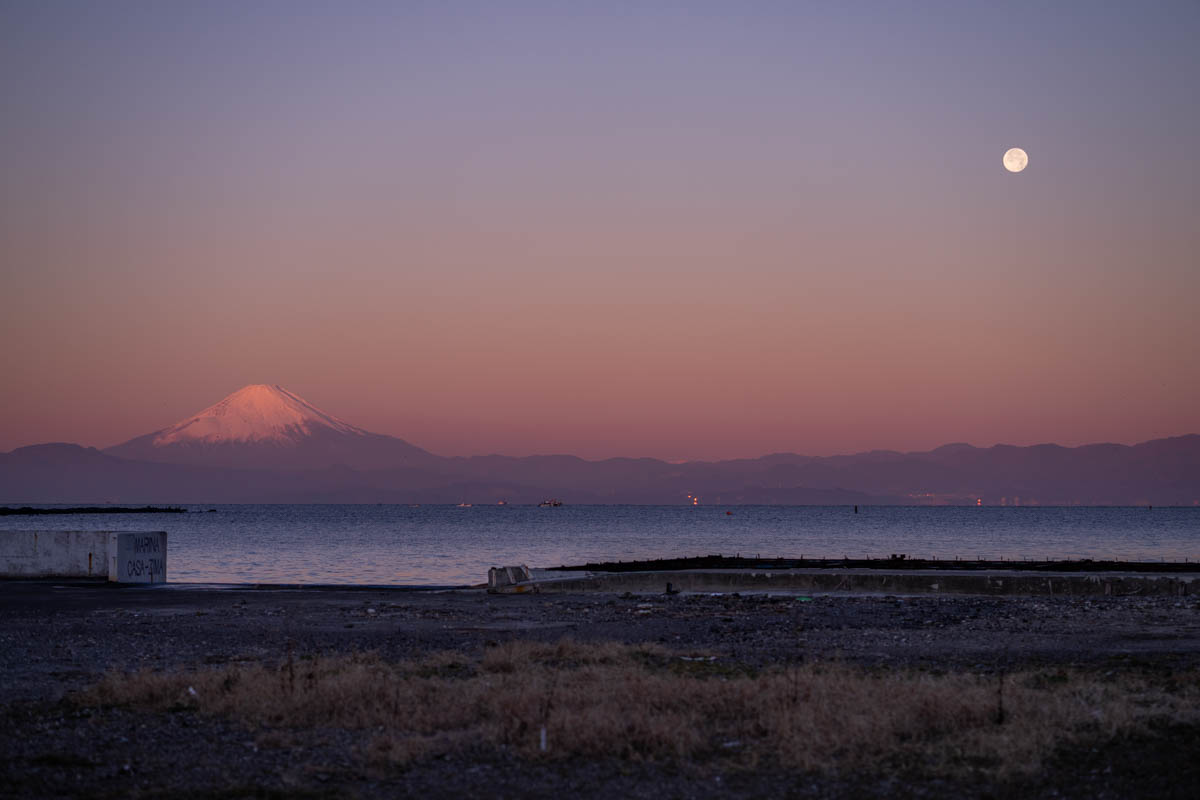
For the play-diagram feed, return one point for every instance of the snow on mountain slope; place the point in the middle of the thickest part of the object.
(256, 413)
(268, 427)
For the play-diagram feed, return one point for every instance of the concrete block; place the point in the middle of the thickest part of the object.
(122, 556)
(139, 557)
(53, 554)
(499, 577)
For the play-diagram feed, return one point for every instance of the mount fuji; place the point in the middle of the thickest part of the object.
(267, 427)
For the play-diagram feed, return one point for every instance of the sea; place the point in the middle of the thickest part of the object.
(443, 545)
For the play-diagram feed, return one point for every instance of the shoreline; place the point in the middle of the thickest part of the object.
(717, 581)
(896, 562)
(1024, 583)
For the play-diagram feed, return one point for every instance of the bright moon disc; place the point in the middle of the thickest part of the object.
(1015, 159)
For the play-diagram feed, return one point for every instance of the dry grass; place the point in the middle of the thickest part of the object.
(644, 702)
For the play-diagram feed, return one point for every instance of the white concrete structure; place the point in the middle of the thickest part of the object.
(123, 556)
(54, 554)
(137, 557)
(507, 576)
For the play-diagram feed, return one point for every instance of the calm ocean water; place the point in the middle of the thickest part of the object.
(429, 545)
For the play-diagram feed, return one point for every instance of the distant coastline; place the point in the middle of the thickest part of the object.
(27, 511)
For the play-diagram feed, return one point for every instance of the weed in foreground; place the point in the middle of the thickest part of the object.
(643, 702)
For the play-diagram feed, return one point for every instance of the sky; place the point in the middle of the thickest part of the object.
(691, 230)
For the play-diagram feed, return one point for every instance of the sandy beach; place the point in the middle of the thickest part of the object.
(58, 639)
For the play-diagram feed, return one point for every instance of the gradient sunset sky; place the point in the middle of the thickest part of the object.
(680, 230)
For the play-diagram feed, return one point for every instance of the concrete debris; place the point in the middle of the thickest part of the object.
(501, 577)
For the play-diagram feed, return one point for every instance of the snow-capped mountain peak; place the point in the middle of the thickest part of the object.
(259, 413)
(268, 427)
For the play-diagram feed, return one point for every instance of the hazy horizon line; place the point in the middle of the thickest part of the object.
(703, 460)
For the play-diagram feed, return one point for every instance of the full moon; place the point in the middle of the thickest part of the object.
(1015, 159)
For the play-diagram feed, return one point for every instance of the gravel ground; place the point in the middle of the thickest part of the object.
(57, 638)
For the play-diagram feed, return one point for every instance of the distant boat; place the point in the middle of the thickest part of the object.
(550, 503)
(502, 503)
(464, 505)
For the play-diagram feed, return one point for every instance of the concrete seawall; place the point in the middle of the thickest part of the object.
(54, 554)
(867, 581)
(118, 556)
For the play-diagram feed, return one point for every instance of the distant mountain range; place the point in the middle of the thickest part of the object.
(263, 444)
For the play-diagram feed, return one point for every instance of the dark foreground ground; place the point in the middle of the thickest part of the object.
(59, 638)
